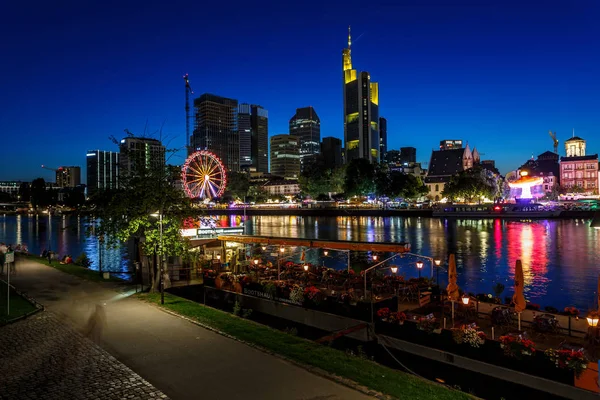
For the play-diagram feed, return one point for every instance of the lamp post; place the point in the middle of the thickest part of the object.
(281, 251)
(162, 266)
(365, 281)
(437, 262)
(431, 260)
(592, 319)
(419, 267)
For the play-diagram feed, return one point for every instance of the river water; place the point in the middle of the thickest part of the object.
(561, 258)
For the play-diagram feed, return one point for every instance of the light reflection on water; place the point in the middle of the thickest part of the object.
(560, 257)
(63, 235)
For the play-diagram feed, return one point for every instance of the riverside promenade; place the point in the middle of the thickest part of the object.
(178, 358)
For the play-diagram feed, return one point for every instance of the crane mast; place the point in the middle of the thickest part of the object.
(188, 91)
(555, 140)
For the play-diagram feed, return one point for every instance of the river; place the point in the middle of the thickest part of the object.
(560, 258)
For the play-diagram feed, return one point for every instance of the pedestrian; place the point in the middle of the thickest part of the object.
(96, 324)
(49, 257)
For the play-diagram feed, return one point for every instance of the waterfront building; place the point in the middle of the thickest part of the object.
(285, 187)
(578, 169)
(392, 157)
(408, 155)
(10, 187)
(412, 168)
(139, 152)
(253, 127)
(445, 163)
(382, 139)
(68, 176)
(331, 152)
(285, 156)
(216, 129)
(102, 170)
(306, 126)
(361, 111)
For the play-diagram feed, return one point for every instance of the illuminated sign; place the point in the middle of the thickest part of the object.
(213, 232)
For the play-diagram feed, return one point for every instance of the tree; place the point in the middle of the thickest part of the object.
(360, 178)
(473, 184)
(147, 208)
(39, 195)
(316, 180)
(238, 184)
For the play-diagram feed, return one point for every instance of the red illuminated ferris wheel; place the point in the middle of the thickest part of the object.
(204, 176)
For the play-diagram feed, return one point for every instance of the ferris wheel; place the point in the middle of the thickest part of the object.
(203, 175)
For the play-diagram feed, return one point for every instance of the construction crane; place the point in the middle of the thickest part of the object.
(553, 136)
(51, 169)
(188, 91)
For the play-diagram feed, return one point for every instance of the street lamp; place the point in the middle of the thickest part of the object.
(281, 251)
(255, 262)
(465, 300)
(593, 319)
(419, 267)
(374, 257)
(437, 262)
(306, 267)
(162, 266)
(219, 257)
(325, 252)
(264, 248)
(394, 269)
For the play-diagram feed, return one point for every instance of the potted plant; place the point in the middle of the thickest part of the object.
(571, 312)
(517, 346)
(469, 335)
(383, 314)
(568, 359)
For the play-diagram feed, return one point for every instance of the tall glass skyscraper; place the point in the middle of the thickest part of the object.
(361, 111)
(306, 126)
(216, 129)
(102, 170)
(253, 126)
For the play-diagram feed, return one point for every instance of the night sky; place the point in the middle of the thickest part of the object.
(498, 74)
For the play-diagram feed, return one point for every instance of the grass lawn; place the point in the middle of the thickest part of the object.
(72, 269)
(364, 372)
(18, 305)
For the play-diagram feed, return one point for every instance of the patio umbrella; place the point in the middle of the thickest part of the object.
(518, 297)
(452, 287)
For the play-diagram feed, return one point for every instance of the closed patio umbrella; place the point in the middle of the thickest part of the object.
(598, 293)
(452, 287)
(518, 298)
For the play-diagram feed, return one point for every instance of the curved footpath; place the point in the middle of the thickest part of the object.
(181, 359)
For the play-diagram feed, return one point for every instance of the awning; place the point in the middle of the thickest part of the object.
(318, 243)
(202, 242)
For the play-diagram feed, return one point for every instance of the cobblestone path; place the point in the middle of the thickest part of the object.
(43, 358)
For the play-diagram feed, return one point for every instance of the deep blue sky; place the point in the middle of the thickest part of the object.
(498, 74)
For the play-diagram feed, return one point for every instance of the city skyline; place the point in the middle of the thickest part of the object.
(490, 75)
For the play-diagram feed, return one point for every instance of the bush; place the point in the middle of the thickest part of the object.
(83, 260)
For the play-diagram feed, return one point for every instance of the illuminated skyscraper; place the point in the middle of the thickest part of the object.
(306, 126)
(253, 125)
(68, 176)
(361, 111)
(216, 128)
(285, 156)
(102, 170)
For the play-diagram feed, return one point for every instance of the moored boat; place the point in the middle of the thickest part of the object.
(500, 210)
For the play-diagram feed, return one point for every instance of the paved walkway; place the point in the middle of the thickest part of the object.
(181, 359)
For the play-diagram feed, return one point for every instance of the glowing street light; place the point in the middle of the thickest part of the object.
(218, 256)
(419, 267)
(282, 249)
(465, 300)
(394, 269)
(325, 252)
(306, 267)
(374, 257)
(264, 248)
(592, 319)
(255, 262)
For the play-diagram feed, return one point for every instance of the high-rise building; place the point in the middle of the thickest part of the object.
(331, 152)
(245, 134)
(285, 156)
(253, 127)
(216, 129)
(306, 126)
(382, 139)
(68, 176)
(139, 152)
(408, 155)
(361, 111)
(102, 170)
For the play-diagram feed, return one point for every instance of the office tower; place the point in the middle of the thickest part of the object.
(216, 129)
(253, 127)
(285, 156)
(68, 176)
(102, 170)
(331, 152)
(306, 126)
(361, 111)
(245, 134)
(137, 153)
(382, 138)
(408, 155)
